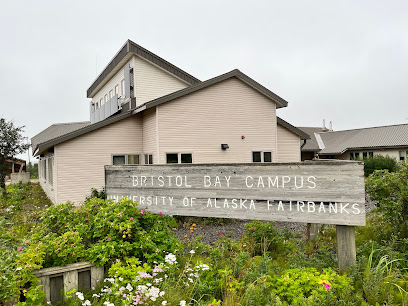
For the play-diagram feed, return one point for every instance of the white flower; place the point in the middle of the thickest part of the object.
(129, 287)
(183, 303)
(19, 268)
(80, 295)
(191, 281)
(86, 303)
(121, 279)
(164, 303)
(192, 252)
(161, 294)
(148, 284)
(107, 303)
(170, 259)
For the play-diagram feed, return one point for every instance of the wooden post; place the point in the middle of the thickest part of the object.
(346, 246)
(312, 231)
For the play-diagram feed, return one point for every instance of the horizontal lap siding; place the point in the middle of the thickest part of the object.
(149, 133)
(288, 146)
(152, 82)
(80, 161)
(200, 122)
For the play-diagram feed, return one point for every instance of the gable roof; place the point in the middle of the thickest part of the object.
(127, 51)
(312, 144)
(58, 133)
(56, 130)
(234, 73)
(339, 142)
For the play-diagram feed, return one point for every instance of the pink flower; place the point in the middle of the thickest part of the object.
(80, 225)
(160, 213)
(142, 212)
(221, 234)
(20, 249)
(327, 286)
(251, 229)
(108, 238)
(131, 218)
(87, 219)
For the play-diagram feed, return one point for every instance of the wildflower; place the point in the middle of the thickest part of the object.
(108, 238)
(185, 236)
(87, 219)
(80, 295)
(129, 287)
(80, 225)
(86, 303)
(131, 218)
(124, 236)
(170, 259)
(107, 303)
(194, 225)
(160, 213)
(164, 303)
(183, 303)
(192, 252)
(251, 229)
(20, 249)
(19, 268)
(96, 295)
(221, 234)
(327, 286)
(142, 212)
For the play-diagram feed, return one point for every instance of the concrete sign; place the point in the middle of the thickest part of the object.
(329, 192)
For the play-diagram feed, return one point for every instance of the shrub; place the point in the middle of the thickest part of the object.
(390, 190)
(379, 162)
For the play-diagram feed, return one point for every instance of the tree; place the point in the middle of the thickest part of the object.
(11, 144)
(33, 169)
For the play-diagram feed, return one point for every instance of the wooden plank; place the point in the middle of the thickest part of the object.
(327, 192)
(346, 246)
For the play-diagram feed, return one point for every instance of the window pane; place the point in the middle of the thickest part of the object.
(119, 160)
(357, 155)
(351, 156)
(371, 154)
(150, 159)
(364, 154)
(133, 159)
(267, 157)
(186, 158)
(256, 157)
(117, 90)
(146, 159)
(172, 158)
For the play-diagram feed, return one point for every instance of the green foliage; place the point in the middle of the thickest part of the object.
(390, 190)
(33, 170)
(95, 193)
(379, 162)
(11, 144)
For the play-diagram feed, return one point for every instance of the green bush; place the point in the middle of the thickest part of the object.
(390, 190)
(379, 162)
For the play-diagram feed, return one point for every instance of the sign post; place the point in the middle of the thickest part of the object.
(325, 192)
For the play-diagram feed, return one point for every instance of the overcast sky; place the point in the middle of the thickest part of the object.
(343, 61)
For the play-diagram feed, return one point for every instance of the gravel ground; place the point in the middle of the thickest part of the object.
(235, 229)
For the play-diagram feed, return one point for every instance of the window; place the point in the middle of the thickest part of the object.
(106, 98)
(111, 94)
(403, 155)
(101, 102)
(117, 90)
(119, 160)
(148, 159)
(122, 85)
(50, 173)
(179, 158)
(261, 157)
(351, 155)
(356, 155)
(186, 158)
(371, 154)
(96, 105)
(44, 169)
(364, 154)
(126, 159)
(172, 158)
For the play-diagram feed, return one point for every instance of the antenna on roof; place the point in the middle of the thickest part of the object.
(331, 126)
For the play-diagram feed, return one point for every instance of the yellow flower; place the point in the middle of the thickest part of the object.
(124, 236)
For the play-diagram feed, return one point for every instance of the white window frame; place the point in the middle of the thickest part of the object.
(111, 94)
(179, 157)
(148, 159)
(122, 85)
(127, 157)
(262, 156)
(117, 90)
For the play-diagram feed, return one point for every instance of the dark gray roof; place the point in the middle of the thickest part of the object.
(311, 144)
(338, 142)
(130, 48)
(234, 73)
(294, 129)
(56, 130)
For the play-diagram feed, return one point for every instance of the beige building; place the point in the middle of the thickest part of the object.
(325, 143)
(146, 111)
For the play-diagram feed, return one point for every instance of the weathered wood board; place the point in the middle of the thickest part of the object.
(328, 192)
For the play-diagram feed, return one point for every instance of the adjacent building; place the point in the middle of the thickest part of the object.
(145, 111)
(325, 143)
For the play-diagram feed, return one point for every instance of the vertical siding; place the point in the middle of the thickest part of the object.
(200, 122)
(288, 145)
(149, 133)
(50, 190)
(152, 82)
(81, 160)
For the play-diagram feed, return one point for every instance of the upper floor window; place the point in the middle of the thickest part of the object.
(179, 158)
(101, 102)
(111, 94)
(106, 98)
(122, 85)
(261, 157)
(117, 90)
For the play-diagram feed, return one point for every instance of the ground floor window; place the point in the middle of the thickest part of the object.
(354, 155)
(403, 155)
(179, 158)
(126, 159)
(148, 159)
(261, 157)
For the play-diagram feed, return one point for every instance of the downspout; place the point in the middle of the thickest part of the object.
(304, 143)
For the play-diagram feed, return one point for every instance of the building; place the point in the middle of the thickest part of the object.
(144, 110)
(325, 143)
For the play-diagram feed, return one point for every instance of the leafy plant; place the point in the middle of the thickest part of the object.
(379, 162)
